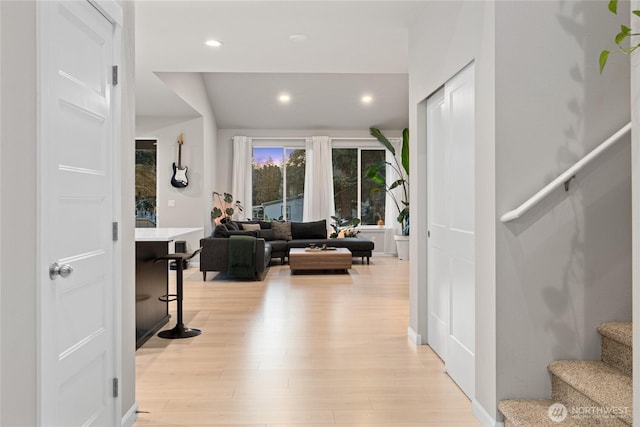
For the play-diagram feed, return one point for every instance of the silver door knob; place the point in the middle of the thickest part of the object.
(63, 271)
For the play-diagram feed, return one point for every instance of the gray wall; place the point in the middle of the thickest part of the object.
(18, 218)
(566, 267)
(443, 40)
(544, 283)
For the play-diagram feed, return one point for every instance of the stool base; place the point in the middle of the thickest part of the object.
(179, 331)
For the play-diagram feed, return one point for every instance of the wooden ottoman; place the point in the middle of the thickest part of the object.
(330, 259)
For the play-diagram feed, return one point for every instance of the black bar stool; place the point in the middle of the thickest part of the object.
(178, 331)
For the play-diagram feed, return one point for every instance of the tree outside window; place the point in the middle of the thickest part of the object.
(354, 195)
(278, 183)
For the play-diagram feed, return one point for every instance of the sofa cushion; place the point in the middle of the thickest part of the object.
(281, 230)
(354, 244)
(279, 248)
(267, 234)
(251, 227)
(309, 230)
(222, 231)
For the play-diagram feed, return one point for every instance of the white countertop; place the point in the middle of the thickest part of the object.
(163, 234)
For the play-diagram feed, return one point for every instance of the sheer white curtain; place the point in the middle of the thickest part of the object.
(318, 180)
(241, 187)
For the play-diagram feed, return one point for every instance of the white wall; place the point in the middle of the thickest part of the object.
(635, 185)
(199, 153)
(188, 202)
(443, 40)
(18, 217)
(565, 268)
(0, 214)
(382, 239)
(225, 145)
(190, 87)
(18, 176)
(127, 181)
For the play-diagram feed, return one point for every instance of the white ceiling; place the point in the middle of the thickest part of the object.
(353, 48)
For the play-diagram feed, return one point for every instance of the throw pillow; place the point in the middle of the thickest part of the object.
(231, 226)
(281, 230)
(250, 226)
(309, 230)
(220, 231)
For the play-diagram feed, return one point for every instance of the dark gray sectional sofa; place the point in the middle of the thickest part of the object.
(273, 240)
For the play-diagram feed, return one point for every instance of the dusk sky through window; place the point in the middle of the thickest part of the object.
(262, 154)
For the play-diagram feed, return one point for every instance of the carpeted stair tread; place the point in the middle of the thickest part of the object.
(530, 412)
(602, 384)
(617, 331)
(616, 350)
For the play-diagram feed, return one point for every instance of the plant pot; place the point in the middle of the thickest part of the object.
(402, 245)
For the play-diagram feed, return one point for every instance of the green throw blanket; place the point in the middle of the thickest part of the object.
(242, 254)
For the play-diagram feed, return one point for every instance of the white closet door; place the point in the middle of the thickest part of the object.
(451, 265)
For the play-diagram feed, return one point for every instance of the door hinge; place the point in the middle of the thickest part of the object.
(115, 387)
(114, 231)
(114, 75)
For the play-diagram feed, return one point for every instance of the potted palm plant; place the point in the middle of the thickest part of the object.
(377, 174)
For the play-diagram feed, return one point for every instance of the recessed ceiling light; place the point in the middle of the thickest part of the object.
(298, 38)
(213, 43)
(366, 99)
(284, 98)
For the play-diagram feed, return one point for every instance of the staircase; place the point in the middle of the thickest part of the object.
(583, 392)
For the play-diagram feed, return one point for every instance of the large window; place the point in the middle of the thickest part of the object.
(355, 195)
(278, 183)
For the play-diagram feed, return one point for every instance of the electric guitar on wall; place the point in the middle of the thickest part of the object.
(179, 178)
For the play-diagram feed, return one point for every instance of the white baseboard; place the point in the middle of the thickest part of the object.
(130, 417)
(483, 416)
(414, 336)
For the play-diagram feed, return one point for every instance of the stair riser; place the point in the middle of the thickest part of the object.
(572, 398)
(617, 355)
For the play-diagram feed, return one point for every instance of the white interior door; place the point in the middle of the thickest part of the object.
(451, 265)
(438, 271)
(75, 143)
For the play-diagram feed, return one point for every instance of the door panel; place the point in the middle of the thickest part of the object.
(438, 271)
(450, 192)
(462, 300)
(459, 92)
(76, 206)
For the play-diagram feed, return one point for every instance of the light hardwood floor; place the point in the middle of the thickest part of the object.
(298, 350)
